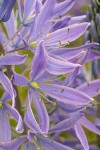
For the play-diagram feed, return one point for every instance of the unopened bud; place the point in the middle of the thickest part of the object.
(94, 33)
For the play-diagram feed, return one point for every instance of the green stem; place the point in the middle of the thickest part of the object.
(1, 50)
(52, 110)
(13, 36)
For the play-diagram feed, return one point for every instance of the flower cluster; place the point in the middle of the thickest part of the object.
(50, 94)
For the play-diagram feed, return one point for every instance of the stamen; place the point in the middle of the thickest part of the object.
(51, 79)
(54, 103)
(35, 85)
(35, 140)
(48, 35)
(0, 104)
(39, 148)
(29, 17)
(45, 97)
(68, 43)
(68, 30)
(33, 44)
(59, 42)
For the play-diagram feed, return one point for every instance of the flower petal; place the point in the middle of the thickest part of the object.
(44, 15)
(48, 144)
(20, 80)
(15, 114)
(77, 19)
(5, 10)
(28, 8)
(61, 23)
(42, 113)
(7, 86)
(65, 94)
(14, 144)
(67, 34)
(89, 125)
(66, 124)
(58, 67)
(69, 108)
(29, 118)
(66, 21)
(91, 88)
(38, 7)
(12, 59)
(5, 131)
(70, 52)
(71, 77)
(39, 62)
(93, 54)
(11, 26)
(81, 135)
(62, 8)
(6, 97)
(30, 146)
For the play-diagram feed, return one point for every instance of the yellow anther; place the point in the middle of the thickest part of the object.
(68, 30)
(35, 85)
(33, 44)
(39, 148)
(59, 42)
(0, 104)
(68, 43)
(48, 35)
(29, 17)
(34, 140)
(54, 103)
(84, 51)
(49, 78)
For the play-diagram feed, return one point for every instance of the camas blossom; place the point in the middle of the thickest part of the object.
(39, 65)
(44, 29)
(33, 139)
(92, 89)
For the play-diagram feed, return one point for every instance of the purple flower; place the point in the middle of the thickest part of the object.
(34, 142)
(40, 84)
(92, 89)
(58, 99)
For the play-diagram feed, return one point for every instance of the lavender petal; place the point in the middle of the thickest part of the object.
(89, 125)
(15, 114)
(12, 59)
(39, 62)
(62, 8)
(81, 135)
(42, 113)
(67, 34)
(66, 124)
(91, 88)
(14, 144)
(48, 144)
(58, 67)
(7, 86)
(29, 118)
(5, 131)
(66, 94)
